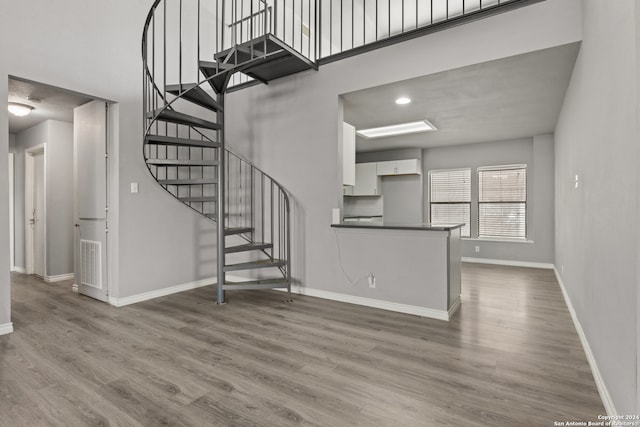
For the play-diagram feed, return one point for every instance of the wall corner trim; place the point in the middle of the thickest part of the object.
(20, 270)
(370, 302)
(6, 328)
(607, 401)
(509, 263)
(59, 278)
(454, 307)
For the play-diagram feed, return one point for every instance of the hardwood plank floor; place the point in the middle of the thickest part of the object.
(511, 356)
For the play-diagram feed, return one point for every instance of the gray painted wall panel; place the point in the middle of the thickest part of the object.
(597, 223)
(295, 121)
(161, 242)
(537, 153)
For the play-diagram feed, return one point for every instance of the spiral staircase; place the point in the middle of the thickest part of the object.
(184, 140)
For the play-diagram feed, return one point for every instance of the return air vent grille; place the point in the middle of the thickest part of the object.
(90, 265)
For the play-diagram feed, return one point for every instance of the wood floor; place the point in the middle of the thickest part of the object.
(510, 357)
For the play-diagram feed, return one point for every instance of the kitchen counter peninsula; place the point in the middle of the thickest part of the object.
(416, 266)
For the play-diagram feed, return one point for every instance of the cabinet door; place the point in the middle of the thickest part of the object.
(386, 168)
(408, 166)
(348, 154)
(367, 181)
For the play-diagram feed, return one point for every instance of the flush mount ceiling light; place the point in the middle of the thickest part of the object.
(18, 109)
(403, 100)
(401, 129)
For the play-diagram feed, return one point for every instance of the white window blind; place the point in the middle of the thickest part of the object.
(502, 201)
(450, 198)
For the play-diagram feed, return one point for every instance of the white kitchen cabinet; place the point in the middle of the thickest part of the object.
(399, 167)
(367, 180)
(348, 154)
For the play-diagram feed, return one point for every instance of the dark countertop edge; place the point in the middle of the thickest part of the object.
(418, 227)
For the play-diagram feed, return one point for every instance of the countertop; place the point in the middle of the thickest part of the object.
(397, 226)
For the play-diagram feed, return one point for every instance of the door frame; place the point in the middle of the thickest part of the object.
(29, 184)
(12, 198)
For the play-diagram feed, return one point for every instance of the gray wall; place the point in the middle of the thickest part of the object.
(537, 153)
(5, 288)
(158, 242)
(402, 194)
(290, 128)
(597, 223)
(58, 137)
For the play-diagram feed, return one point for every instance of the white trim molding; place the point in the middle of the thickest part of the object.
(508, 262)
(454, 307)
(374, 303)
(6, 328)
(607, 401)
(17, 269)
(74, 287)
(121, 302)
(59, 278)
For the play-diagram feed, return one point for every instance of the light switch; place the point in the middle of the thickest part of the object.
(134, 187)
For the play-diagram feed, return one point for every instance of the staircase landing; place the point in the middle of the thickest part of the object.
(265, 58)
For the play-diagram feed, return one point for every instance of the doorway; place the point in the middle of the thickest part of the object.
(61, 178)
(35, 210)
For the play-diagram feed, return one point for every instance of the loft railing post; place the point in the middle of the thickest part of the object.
(220, 203)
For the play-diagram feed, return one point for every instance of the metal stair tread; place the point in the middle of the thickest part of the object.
(183, 119)
(256, 284)
(248, 247)
(174, 140)
(197, 199)
(237, 230)
(180, 162)
(195, 94)
(250, 265)
(187, 181)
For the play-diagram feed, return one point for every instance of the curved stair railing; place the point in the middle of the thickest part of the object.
(184, 142)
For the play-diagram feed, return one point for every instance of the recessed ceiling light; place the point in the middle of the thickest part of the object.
(403, 100)
(18, 109)
(400, 129)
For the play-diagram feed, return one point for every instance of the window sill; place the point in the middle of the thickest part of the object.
(498, 240)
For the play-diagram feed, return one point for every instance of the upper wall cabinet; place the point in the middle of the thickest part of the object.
(367, 180)
(348, 154)
(400, 167)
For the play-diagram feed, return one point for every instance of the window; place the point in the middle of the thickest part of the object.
(502, 201)
(450, 198)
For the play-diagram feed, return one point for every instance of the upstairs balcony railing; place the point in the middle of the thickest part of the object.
(183, 32)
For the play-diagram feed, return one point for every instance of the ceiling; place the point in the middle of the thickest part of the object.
(57, 104)
(511, 98)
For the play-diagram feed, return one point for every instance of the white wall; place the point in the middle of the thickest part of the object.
(537, 154)
(290, 128)
(597, 223)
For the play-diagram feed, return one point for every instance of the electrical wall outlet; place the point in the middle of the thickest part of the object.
(372, 280)
(477, 249)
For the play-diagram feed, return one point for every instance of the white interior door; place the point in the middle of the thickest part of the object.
(38, 214)
(91, 203)
(35, 210)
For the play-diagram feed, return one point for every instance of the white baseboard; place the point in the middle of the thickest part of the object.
(59, 278)
(20, 270)
(74, 287)
(6, 328)
(509, 263)
(370, 302)
(607, 401)
(120, 302)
